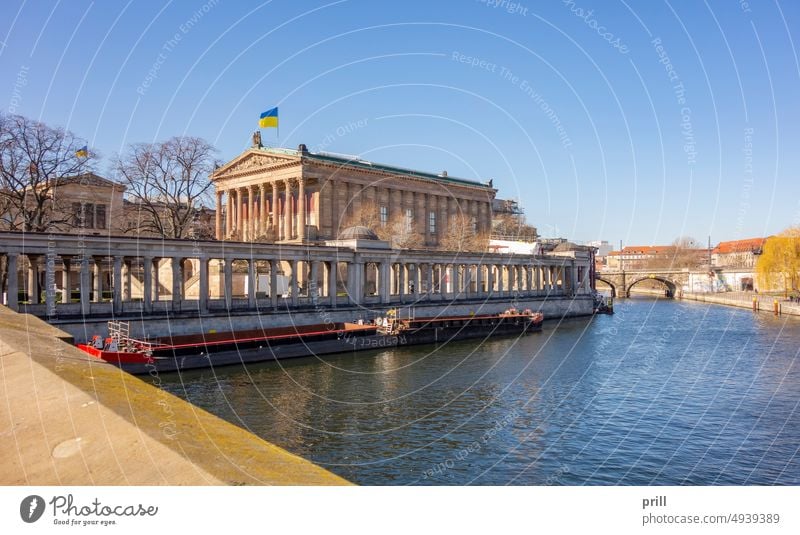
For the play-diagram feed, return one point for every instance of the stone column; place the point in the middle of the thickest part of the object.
(430, 282)
(98, 280)
(287, 209)
(218, 216)
(273, 282)
(12, 297)
(274, 223)
(294, 287)
(177, 283)
(85, 284)
(313, 282)
(355, 277)
(262, 211)
(384, 272)
(537, 274)
(301, 209)
(147, 290)
(50, 283)
(479, 279)
(228, 212)
(251, 283)
(572, 277)
(202, 296)
(156, 279)
(455, 281)
(401, 281)
(228, 282)
(240, 228)
(251, 212)
(127, 279)
(33, 279)
(66, 294)
(333, 272)
(116, 294)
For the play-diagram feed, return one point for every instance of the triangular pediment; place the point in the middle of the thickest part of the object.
(253, 159)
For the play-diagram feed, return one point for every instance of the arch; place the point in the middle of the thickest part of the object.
(610, 285)
(671, 286)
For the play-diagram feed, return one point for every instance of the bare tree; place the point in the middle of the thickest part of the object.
(397, 229)
(401, 233)
(34, 159)
(168, 184)
(367, 215)
(513, 227)
(462, 235)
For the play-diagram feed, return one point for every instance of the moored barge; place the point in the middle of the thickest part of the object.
(208, 350)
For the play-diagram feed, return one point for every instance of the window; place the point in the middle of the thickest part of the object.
(384, 215)
(100, 216)
(432, 222)
(76, 214)
(88, 215)
(409, 219)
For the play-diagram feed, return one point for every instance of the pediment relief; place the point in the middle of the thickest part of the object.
(249, 162)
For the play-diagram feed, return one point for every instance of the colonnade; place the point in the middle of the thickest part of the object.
(70, 275)
(278, 208)
(285, 209)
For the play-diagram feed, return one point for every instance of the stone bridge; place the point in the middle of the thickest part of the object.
(621, 282)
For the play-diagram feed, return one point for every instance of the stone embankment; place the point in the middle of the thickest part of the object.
(68, 419)
(750, 300)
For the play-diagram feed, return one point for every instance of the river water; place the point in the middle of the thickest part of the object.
(663, 392)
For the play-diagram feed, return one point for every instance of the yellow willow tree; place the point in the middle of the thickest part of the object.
(779, 263)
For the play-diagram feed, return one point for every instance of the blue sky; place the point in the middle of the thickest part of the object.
(633, 121)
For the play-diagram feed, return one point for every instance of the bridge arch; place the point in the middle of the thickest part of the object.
(671, 286)
(609, 284)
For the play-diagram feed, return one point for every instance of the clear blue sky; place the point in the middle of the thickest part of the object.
(576, 114)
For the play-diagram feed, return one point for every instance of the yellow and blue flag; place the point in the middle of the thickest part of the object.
(269, 119)
(82, 152)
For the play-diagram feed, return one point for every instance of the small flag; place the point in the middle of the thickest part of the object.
(269, 119)
(82, 152)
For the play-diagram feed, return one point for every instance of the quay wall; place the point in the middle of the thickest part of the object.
(69, 419)
(186, 323)
(764, 303)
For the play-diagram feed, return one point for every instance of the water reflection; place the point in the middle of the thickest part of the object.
(663, 392)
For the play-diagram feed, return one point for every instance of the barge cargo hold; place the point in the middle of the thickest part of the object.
(208, 350)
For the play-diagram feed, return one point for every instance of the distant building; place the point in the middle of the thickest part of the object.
(636, 256)
(603, 248)
(737, 253)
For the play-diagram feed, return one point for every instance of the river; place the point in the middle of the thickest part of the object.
(662, 393)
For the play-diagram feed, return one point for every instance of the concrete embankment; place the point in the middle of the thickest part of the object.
(188, 323)
(68, 419)
(750, 300)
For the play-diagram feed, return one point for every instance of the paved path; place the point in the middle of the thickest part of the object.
(67, 419)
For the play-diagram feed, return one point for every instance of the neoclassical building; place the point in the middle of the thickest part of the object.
(292, 196)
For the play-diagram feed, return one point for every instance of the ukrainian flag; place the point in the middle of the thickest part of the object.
(82, 152)
(269, 119)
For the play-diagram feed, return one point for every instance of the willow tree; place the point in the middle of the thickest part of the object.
(168, 184)
(779, 263)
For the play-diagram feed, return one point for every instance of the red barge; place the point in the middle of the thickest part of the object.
(208, 350)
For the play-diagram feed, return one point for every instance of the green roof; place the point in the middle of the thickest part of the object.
(354, 161)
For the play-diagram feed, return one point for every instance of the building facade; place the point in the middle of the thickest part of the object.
(294, 196)
(737, 253)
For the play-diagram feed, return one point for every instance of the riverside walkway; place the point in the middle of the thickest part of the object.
(71, 420)
(763, 302)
